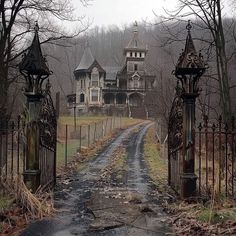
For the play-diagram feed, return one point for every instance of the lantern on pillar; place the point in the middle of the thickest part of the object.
(190, 67)
(34, 69)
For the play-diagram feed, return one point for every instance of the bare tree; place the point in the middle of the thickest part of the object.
(208, 15)
(17, 19)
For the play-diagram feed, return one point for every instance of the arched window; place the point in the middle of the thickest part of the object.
(136, 82)
(81, 98)
(95, 77)
(94, 95)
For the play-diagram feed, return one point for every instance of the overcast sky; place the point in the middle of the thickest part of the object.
(119, 12)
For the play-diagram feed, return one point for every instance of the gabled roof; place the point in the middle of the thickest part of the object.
(96, 64)
(86, 60)
(33, 62)
(135, 43)
(111, 72)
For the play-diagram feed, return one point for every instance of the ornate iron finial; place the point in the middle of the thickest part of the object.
(189, 26)
(135, 26)
(33, 63)
(36, 27)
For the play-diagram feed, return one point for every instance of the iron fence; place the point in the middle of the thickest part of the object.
(215, 150)
(13, 146)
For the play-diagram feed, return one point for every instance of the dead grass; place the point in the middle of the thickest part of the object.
(81, 120)
(199, 218)
(21, 206)
(37, 205)
(157, 164)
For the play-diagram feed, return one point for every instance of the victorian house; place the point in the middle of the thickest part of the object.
(114, 90)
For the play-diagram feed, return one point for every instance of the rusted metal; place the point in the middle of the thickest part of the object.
(189, 68)
(175, 133)
(18, 145)
(213, 154)
(226, 159)
(206, 146)
(12, 148)
(217, 149)
(200, 158)
(220, 151)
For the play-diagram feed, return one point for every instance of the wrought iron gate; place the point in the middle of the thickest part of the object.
(215, 154)
(48, 134)
(175, 143)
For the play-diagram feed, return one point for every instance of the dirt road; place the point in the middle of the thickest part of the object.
(101, 200)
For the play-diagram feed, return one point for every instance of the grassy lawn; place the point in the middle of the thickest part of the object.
(86, 120)
(74, 144)
(158, 168)
(81, 120)
(72, 147)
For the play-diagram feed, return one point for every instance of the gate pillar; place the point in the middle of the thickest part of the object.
(33, 67)
(190, 67)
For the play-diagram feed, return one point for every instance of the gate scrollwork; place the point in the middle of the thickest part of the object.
(48, 121)
(175, 126)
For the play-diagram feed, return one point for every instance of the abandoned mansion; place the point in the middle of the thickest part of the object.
(114, 90)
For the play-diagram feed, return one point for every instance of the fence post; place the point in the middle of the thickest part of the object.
(103, 129)
(24, 148)
(0, 147)
(18, 145)
(106, 127)
(6, 146)
(66, 146)
(12, 148)
(111, 125)
(80, 133)
(88, 135)
(95, 131)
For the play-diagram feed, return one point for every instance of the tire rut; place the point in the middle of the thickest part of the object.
(72, 198)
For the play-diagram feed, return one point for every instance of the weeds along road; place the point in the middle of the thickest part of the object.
(110, 196)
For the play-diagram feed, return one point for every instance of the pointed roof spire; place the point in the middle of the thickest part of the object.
(135, 27)
(33, 62)
(86, 60)
(189, 46)
(134, 42)
(189, 61)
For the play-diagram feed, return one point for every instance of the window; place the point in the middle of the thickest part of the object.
(135, 54)
(135, 67)
(81, 83)
(95, 77)
(140, 54)
(136, 82)
(94, 95)
(131, 54)
(81, 99)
